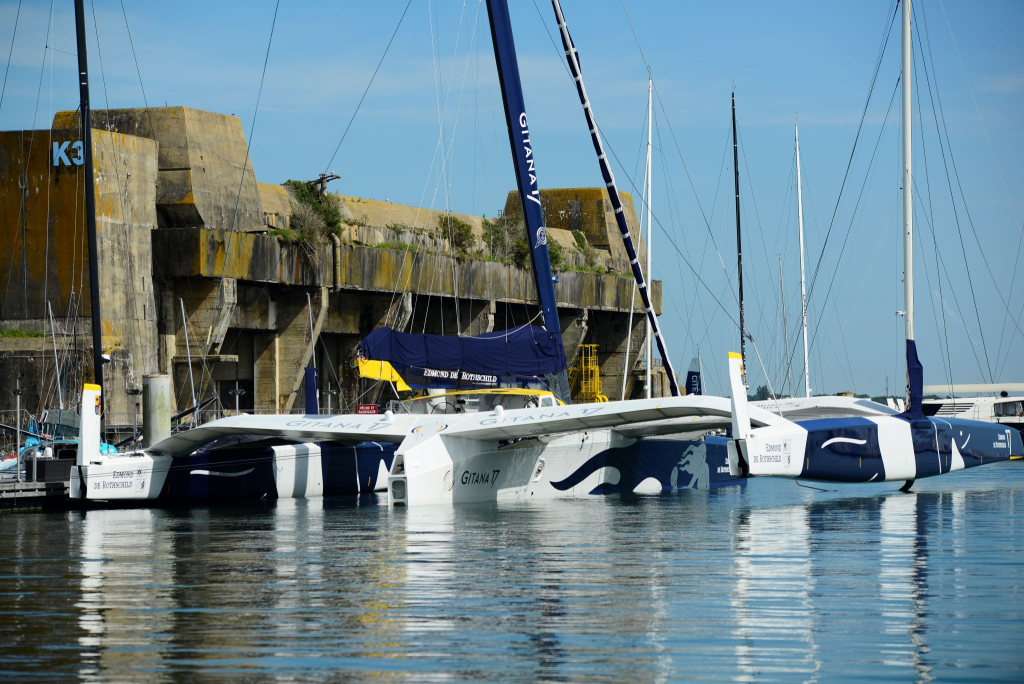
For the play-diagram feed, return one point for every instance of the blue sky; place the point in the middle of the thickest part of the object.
(785, 59)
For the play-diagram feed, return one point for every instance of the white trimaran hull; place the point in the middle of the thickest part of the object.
(502, 455)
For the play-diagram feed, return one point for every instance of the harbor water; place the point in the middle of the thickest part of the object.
(770, 581)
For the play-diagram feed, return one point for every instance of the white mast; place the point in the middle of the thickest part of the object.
(803, 286)
(908, 201)
(650, 182)
(785, 327)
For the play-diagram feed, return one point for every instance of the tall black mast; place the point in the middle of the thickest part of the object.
(573, 59)
(85, 121)
(739, 242)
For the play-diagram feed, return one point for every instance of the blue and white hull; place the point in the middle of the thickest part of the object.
(885, 448)
(573, 465)
(244, 472)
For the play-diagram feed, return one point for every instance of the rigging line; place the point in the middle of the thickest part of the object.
(930, 218)
(853, 151)
(763, 370)
(145, 101)
(238, 200)
(999, 171)
(669, 236)
(476, 117)
(451, 152)
(714, 206)
(435, 56)
(685, 167)
(924, 64)
(416, 219)
(942, 263)
(784, 217)
(633, 184)
(771, 280)
(640, 148)
(995, 160)
(984, 259)
(962, 325)
(853, 216)
(757, 217)
(23, 182)
(842, 322)
(46, 258)
(126, 254)
(792, 351)
(668, 122)
(10, 54)
(1017, 223)
(931, 76)
(673, 212)
(394, 33)
(931, 300)
(136, 58)
(445, 177)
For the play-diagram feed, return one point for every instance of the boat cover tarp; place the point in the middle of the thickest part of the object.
(525, 351)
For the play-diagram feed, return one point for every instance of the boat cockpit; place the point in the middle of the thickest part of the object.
(474, 401)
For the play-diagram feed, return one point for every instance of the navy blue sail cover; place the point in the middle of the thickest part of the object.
(525, 351)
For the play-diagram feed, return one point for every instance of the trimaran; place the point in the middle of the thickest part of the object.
(551, 450)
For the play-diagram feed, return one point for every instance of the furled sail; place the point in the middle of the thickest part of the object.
(484, 360)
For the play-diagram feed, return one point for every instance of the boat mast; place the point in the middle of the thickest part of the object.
(650, 182)
(908, 202)
(85, 120)
(915, 373)
(526, 176)
(803, 286)
(613, 195)
(739, 243)
(785, 325)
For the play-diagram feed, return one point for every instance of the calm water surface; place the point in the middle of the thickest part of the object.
(766, 582)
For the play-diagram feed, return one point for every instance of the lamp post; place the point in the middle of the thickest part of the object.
(17, 424)
(329, 392)
(236, 393)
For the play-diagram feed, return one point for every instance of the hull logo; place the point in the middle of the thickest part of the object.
(429, 428)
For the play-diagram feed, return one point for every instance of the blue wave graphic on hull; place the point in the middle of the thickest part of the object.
(674, 463)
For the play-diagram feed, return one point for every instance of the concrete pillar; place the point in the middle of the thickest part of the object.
(481, 316)
(294, 343)
(168, 327)
(574, 331)
(266, 380)
(156, 409)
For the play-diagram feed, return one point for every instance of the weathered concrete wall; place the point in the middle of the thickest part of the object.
(261, 258)
(167, 182)
(370, 212)
(245, 256)
(42, 227)
(277, 209)
(588, 210)
(204, 168)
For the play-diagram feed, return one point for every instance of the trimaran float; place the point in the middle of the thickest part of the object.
(550, 450)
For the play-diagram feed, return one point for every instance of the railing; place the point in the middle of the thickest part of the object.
(11, 420)
(120, 427)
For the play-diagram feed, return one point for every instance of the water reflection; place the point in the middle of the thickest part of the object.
(903, 582)
(123, 569)
(764, 582)
(771, 596)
